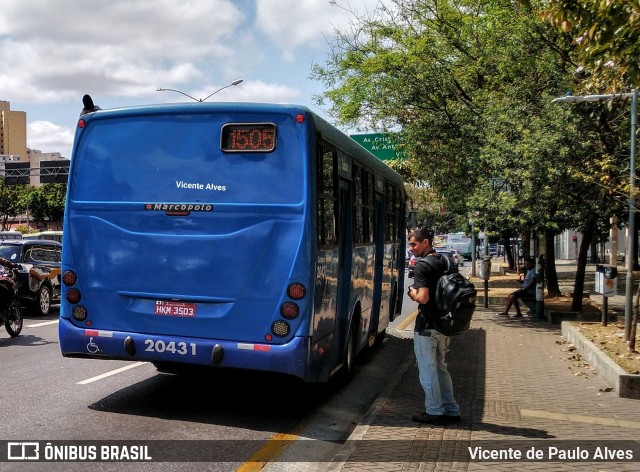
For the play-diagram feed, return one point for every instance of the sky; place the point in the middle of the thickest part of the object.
(120, 52)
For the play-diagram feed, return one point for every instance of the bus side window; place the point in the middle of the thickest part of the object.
(369, 208)
(358, 220)
(327, 168)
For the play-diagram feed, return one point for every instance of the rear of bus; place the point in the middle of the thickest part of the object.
(187, 237)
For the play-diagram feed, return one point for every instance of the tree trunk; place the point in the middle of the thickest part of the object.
(578, 288)
(506, 237)
(526, 245)
(593, 252)
(551, 275)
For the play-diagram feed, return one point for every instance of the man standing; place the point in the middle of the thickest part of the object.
(429, 344)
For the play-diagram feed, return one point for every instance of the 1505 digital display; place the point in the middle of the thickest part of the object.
(248, 137)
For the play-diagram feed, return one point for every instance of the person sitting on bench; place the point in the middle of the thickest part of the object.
(528, 290)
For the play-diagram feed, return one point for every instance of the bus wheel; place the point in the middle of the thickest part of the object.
(348, 364)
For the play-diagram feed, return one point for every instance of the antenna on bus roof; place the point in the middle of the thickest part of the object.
(89, 106)
(235, 82)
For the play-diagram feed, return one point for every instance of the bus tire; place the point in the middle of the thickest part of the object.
(345, 374)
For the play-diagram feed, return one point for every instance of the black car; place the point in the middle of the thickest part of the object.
(38, 271)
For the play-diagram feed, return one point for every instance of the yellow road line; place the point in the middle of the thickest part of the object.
(407, 320)
(275, 446)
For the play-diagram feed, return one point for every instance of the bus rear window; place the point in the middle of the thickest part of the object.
(179, 158)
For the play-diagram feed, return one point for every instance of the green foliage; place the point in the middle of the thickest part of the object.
(469, 85)
(23, 229)
(45, 203)
(606, 33)
(11, 201)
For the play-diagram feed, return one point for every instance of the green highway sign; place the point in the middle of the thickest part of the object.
(381, 145)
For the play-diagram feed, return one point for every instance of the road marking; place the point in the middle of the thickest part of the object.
(412, 316)
(275, 446)
(44, 323)
(550, 415)
(109, 374)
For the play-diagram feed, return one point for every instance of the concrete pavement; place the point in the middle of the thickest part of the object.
(528, 403)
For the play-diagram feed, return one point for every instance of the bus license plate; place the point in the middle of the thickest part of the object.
(169, 308)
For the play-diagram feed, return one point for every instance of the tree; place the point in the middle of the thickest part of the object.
(606, 34)
(46, 203)
(11, 198)
(469, 86)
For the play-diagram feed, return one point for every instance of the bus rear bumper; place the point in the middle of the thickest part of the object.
(290, 358)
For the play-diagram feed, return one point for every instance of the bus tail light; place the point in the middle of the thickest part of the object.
(79, 313)
(289, 310)
(280, 328)
(73, 295)
(69, 278)
(296, 291)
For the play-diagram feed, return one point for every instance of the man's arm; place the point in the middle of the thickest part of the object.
(420, 294)
(531, 282)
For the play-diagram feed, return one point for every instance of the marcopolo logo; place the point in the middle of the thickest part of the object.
(178, 207)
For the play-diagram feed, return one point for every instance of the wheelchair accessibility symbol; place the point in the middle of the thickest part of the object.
(92, 347)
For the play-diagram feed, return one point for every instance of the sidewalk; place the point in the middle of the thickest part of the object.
(521, 390)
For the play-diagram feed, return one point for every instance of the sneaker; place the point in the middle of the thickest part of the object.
(518, 315)
(452, 418)
(429, 419)
(502, 314)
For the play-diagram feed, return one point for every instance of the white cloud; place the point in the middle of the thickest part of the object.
(48, 137)
(52, 51)
(122, 51)
(292, 24)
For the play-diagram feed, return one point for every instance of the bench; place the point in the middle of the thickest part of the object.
(530, 303)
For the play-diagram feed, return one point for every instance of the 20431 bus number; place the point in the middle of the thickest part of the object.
(180, 348)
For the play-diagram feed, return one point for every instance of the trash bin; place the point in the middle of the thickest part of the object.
(607, 285)
(606, 280)
(485, 268)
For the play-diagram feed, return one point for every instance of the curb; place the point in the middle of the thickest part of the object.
(624, 384)
(341, 458)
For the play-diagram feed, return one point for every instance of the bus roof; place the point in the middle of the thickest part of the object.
(329, 132)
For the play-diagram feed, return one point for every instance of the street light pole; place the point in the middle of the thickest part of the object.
(632, 184)
(628, 307)
(235, 82)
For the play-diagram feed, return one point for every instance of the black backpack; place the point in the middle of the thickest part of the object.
(455, 297)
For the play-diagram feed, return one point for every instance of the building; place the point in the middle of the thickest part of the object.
(13, 132)
(35, 157)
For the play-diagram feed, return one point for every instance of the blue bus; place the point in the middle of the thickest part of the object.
(244, 236)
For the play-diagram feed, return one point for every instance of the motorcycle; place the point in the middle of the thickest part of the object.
(10, 310)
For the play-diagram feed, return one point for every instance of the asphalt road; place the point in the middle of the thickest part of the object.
(237, 416)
